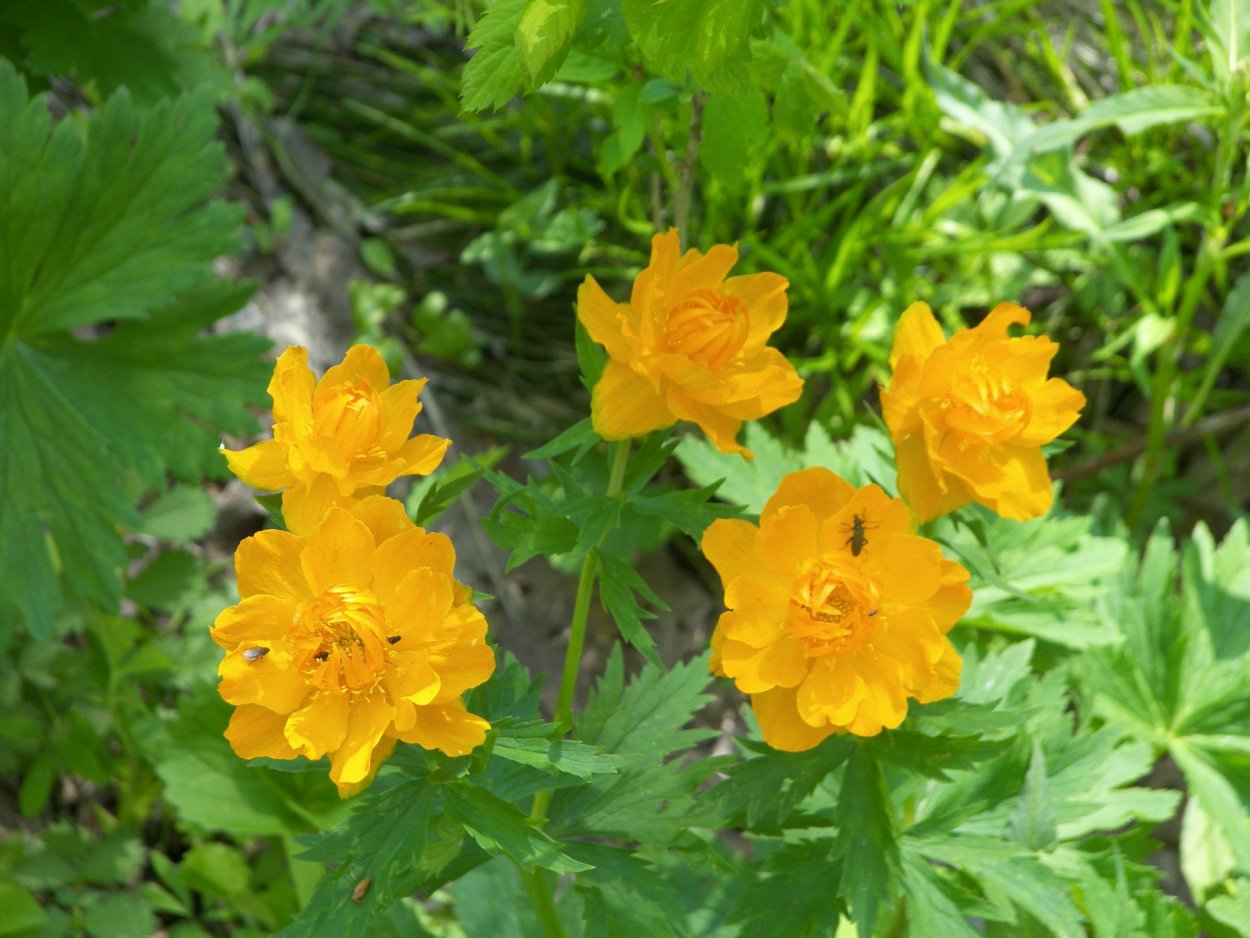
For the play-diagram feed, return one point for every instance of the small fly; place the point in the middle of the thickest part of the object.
(859, 538)
(255, 653)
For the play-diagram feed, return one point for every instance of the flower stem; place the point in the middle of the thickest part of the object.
(539, 888)
(536, 879)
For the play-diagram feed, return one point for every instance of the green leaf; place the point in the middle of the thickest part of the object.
(117, 915)
(544, 33)
(619, 587)
(496, 73)
(761, 793)
(1033, 822)
(1226, 26)
(111, 225)
(792, 892)
(1017, 877)
(183, 513)
(212, 787)
(22, 911)
(649, 800)
(563, 756)
(649, 717)
(732, 127)
(145, 46)
(1233, 910)
(1133, 112)
(172, 579)
(867, 842)
(498, 825)
(1043, 580)
(624, 894)
(708, 41)
(930, 908)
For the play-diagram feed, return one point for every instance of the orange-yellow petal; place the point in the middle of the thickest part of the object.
(262, 466)
(729, 544)
(447, 727)
(305, 505)
(259, 619)
(824, 494)
(267, 563)
(422, 454)
(320, 726)
(764, 296)
(604, 319)
(291, 388)
(623, 404)
(255, 733)
(339, 553)
(363, 364)
(400, 407)
(384, 517)
(781, 725)
(927, 494)
(917, 334)
(368, 720)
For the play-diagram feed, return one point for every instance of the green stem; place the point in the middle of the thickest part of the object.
(536, 879)
(544, 903)
(1168, 357)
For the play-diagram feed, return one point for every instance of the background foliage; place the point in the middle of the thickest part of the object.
(1088, 160)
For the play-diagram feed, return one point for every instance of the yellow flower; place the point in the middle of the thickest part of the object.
(689, 345)
(969, 416)
(838, 613)
(339, 438)
(349, 639)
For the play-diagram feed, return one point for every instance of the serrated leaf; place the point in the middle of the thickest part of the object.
(111, 225)
(649, 800)
(930, 911)
(1233, 910)
(762, 792)
(619, 587)
(624, 894)
(1033, 822)
(867, 842)
(544, 33)
(564, 756)
(1016, 876)
(498, 825)
(649, 716)
(145, 46)
(212, 787)
(791, 893)
(708, 41)
(496, 73)
(183, 513)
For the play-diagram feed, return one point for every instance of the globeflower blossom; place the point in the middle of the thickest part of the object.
(837, 612)
(969, 415)
(349, 639)
(340, 438)
(689, 345)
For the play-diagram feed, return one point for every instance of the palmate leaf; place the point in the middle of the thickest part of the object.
(105, 222)
(1178, 681)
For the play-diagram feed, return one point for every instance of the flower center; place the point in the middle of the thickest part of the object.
(340, 640)
(351, 415)
(707, 326)
(833, 610)
(980, 405)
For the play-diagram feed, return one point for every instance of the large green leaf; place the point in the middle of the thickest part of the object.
(107, 228)
(1178, 683)
(708, 41)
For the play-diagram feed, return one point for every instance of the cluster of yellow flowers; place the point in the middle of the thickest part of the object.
(352, 632)
(837, 611)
